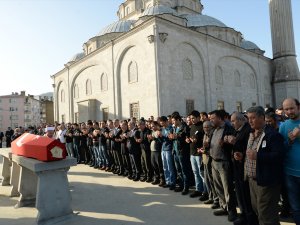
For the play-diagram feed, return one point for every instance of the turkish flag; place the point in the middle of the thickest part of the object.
(39, 147)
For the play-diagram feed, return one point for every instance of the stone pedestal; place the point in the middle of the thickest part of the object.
(6, 166)
(45, 184)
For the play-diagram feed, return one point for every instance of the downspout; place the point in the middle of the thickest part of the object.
(113, 76)
(155, 31)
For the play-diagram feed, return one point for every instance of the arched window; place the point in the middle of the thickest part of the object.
(237, 78)
(62, 96)
(219, 75)
(88, 87)
(132, 72)
(187, 69)
(127, 10)
(252, 81)
(104, 82)
(76, 91)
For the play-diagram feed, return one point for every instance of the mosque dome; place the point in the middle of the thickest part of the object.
(158, 10)
(77, 57)
(117, 27)
(200, 20)
(248, 45)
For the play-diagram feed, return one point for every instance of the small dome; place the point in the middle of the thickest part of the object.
(248, 45)
(202, 21)
(117, 27)
(77, 57)
(158, 10)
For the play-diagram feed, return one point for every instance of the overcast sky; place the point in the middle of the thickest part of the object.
(39, 36)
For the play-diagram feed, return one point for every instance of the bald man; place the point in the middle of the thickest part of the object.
(290, 130)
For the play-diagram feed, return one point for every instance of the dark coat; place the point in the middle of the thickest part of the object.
(270, 156)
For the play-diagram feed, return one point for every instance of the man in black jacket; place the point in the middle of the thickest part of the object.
(239, 142)
(146, 152)
(195, 140)
(1, 138)
(8, 134)
(181, 154)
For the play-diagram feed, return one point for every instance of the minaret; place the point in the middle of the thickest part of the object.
(286, 77)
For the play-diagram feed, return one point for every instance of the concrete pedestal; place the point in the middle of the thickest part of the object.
(45, 184)
(6, 166)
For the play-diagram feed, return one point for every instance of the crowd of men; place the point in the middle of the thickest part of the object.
(247, 160)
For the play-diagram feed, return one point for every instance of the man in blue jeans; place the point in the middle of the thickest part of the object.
(166, 154)
(290, 130)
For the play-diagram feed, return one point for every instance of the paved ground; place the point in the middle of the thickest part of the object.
(103, 198)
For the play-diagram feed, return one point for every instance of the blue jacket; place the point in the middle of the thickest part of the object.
(270, 156)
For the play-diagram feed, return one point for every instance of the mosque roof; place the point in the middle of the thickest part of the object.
(248, 45)
(158, 10)
(77, 57)
(200, 20)
(117, 27)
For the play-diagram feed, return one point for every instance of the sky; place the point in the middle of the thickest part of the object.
(39, 36)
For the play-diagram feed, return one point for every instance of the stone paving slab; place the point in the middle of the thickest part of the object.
(103, 198)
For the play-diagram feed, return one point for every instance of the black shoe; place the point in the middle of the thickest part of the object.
(239, 221)
(203, 197)
(195, 194)
(178, 189)
(121, 173)
(185, 191)
(149, 180)
(232, 216)
(130, 177)
(209, 201)
(215, 206)
(166, 186)
(143, 179)
(136, 179)
(162, 184)
(172, 187)
(220, 212)
(155, 182)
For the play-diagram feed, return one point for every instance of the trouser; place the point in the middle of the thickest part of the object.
(157, 165)
(209, 182)
(69, 147)
(118, 159)
(196, 167)
(293, 189)
(264, 200)
(96, 154)
(146, 163)
(135, 161)
(126, 162)
(223, 183)
(243, 194)
(104, 155)
(76, 150)
(168, 165)
(183, 167)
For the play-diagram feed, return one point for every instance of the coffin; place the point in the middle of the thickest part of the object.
(39, 147)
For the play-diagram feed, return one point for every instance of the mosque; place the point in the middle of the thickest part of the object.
(165, 55)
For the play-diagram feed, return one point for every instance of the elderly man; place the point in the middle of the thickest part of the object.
(239, 142)
(263, 167)
(291, 133)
